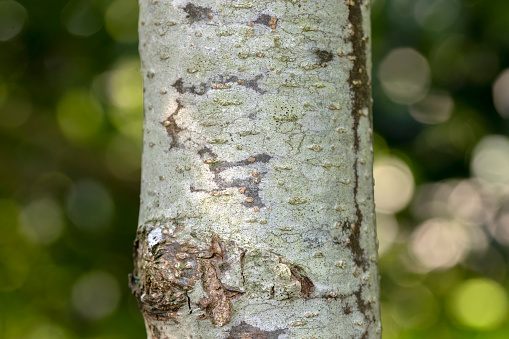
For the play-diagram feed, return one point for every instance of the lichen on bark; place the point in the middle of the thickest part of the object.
(256, 216)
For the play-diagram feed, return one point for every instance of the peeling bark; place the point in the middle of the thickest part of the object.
(257, 215)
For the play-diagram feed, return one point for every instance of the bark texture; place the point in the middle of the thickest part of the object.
(257, 214)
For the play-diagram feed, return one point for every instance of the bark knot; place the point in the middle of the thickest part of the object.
(166, 269)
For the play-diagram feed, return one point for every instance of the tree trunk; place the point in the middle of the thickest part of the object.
(257, 213)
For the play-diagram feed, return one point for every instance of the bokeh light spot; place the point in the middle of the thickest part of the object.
(81, 18)
(123, 87)
(479, 303)
(490, 161)
(41, 221)
(500, 228)
(95, 295)
(440, 243)
(435, 108)
(90, 206)
(466, 204)
(405, 75)
(122, 20)
(12, 19)
(386, 231)
(79, 115)
(501, 94)
(394, 185)
(125, 84)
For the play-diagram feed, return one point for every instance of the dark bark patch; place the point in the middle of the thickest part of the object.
(200, 89)
(266, 20)
(263, 19)
(361, 99)
(196, 13)
(323, 56)
(362, 305)
(364, 309)
(171, 125)
(248, 83)
(252, 186)
(258, 158)
(253, 84)
(307, 286)
(242, 260)
(245, 331)
(154, 331)
(218, 303)
(179, 86)
(207, 153)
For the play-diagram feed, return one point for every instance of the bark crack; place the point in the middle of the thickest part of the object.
(307, 286)
(242, 258)
(361, 92)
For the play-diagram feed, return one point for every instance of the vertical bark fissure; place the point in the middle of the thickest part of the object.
(360, 86)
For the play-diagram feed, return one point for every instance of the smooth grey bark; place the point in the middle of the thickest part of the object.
(257, 212)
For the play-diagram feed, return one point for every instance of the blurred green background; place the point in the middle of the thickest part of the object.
(70, 135)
